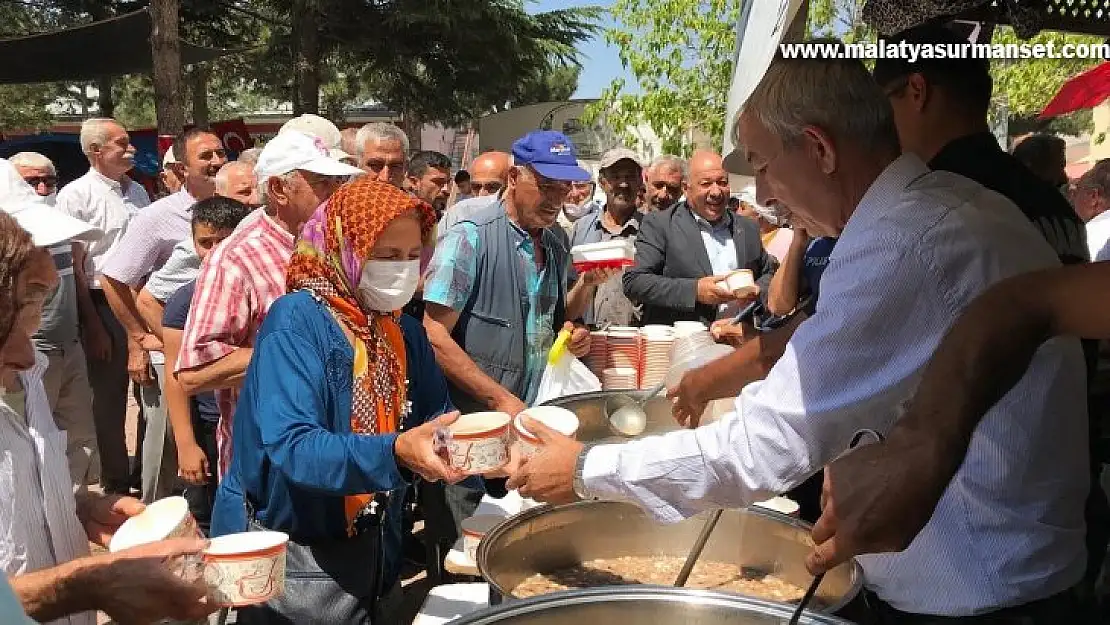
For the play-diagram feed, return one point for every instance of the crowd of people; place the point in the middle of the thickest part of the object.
(299, 324)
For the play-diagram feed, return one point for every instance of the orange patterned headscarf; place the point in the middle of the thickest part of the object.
(334, 245)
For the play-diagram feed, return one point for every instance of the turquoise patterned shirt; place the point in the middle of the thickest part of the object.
(452, 275)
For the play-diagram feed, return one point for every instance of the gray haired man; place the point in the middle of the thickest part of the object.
(665, 181)
(1006, 541)
(382, 151)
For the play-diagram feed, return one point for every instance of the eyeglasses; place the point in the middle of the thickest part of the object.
(377, 165)
(488, 187)
(49, 181)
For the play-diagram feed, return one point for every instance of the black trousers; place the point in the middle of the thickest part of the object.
(1060, 609)
(201, 497)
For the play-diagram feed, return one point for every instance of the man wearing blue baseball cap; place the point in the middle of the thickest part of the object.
(496, 290)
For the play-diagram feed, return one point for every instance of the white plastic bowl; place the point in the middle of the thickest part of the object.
(479, 442)
(163, 519)
(246, 568)
(473, 529)
(559, 419)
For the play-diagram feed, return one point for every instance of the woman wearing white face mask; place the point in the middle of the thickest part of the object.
(335, 416)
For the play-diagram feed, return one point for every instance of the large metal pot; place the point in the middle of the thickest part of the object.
(549, 538)
(643, 605)
(593, 425)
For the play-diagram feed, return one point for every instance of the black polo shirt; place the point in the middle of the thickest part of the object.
(980, 158)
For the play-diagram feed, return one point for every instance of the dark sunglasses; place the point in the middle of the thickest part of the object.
(49, 181)
(376, 166)
(488, 187)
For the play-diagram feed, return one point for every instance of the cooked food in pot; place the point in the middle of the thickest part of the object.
(660, 570)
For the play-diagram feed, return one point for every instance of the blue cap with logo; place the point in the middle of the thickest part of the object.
(551, 154)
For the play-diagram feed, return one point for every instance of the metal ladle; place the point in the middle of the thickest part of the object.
(699, 546)
(629, 417)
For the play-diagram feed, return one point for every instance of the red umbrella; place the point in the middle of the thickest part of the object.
(1084, 91)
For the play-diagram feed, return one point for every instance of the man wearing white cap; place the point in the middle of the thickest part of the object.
(241, 278)
(314, 126)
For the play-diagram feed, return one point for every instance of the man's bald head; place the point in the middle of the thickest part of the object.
(705, 160)
(489, 173)
(708, 191)
(236, 181)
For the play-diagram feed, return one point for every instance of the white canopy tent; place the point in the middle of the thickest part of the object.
(762, 26)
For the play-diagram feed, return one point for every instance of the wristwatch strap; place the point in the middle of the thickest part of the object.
(579, 484)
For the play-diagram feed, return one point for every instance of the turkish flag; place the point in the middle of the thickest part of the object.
(1084, 91)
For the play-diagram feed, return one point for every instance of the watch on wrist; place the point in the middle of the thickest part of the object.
(578, 483)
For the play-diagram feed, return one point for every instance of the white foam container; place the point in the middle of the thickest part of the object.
(615, 250)
(559, 419)
(161, 520)
(473, 529)
(479, 442)
(246, 568)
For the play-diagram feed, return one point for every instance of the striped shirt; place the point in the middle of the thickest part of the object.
(150, 238)
(106, 205)
(38, 515)
(237, 284)
(918, 249)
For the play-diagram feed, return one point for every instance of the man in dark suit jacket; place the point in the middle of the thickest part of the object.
(682, 252)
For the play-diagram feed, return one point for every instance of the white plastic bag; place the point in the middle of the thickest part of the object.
(565, 374)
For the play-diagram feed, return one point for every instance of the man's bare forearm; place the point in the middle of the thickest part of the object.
(177, 400)
(122, 302)
(786, 284)
(151, 311)
(227, 372)
(459, 368)
(579, 299)
(986, 352)
(50, 594)
(727, 376)
(86, 309)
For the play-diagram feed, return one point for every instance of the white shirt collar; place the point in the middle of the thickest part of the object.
(893, 180)
(120, 186)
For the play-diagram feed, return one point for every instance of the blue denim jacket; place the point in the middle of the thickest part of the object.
(293, 449)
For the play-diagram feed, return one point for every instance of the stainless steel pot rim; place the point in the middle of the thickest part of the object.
(482, 555)
(641, 593)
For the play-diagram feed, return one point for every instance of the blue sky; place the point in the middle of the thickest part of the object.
(600, 63)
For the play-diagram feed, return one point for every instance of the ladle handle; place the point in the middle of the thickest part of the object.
(699, 545)
(812, 590)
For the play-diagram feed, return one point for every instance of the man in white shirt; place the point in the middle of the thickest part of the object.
(143, 249)
(106, 199)
(1006, 541)
(1090, 195)
(44, 531)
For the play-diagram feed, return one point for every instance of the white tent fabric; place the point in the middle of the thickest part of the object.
(762, 25)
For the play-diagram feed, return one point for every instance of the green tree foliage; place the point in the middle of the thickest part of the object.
(447, 61)
(681, 53)
(1029, 84)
